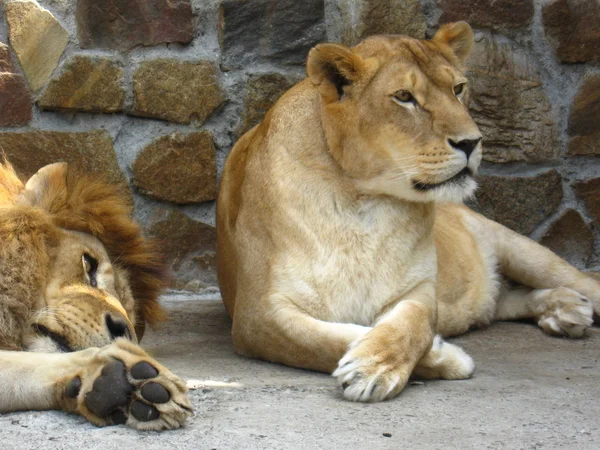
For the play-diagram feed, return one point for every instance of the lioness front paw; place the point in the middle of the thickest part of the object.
(123, 385)
(368, 375)
(566, 313)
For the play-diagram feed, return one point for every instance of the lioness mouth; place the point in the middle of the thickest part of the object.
(61, 342)
(419, 186)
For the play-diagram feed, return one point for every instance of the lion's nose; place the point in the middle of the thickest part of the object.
(466, 145)
(117, 327)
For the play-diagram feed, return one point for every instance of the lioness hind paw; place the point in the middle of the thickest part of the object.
(127, 390)
(566, 313)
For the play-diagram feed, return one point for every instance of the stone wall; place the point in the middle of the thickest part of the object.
(156, 92)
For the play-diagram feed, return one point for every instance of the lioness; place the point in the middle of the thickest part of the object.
(343, 245)
(77, 285)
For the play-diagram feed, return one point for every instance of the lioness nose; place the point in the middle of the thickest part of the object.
(117, 327)
(466, 145)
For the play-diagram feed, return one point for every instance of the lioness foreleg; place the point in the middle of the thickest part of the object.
(115, 384)
(378, 365)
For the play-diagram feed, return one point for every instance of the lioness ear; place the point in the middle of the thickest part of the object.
(458, 36)
(47, 186)
(330, 67)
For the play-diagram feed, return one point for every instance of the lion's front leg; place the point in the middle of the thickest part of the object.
(116, 384)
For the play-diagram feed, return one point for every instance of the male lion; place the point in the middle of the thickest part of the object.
(342, 243)
(77, 285)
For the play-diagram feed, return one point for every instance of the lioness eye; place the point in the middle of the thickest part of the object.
(404, 97)
(90, 265)
(459, 88)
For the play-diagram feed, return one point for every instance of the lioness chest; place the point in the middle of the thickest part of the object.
(347, 264)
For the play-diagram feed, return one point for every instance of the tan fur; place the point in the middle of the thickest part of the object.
(75, 273)
(342, 244)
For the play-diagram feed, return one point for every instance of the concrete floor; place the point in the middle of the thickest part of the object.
(529, 391)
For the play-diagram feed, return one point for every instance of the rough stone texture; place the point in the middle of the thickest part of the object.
(178, 168)
(91, 152)
(488, 13)
(177, 91)
(15, 99)
(571, 27)
(124, 24)
(589, 191)
(190, 249)
(281, 31)
(570, 238)
(263, 90)
(509, 104)
(87, 83)
(37, 39)
(364, 18)
(584, 122)
(520, 203)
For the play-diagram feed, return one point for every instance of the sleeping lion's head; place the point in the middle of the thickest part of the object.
(75, 260)
(395, 114)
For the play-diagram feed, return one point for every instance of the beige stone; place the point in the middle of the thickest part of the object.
(87, 83)
(177, 91)
(90, 152)
(178, 168)
(509, 104)
(37, 38)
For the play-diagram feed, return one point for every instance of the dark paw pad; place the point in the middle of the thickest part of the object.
(143, 371)
(73, 387)
(118, 417)
(143, 412)
(111, 390)
(155, 393)
(345, 386)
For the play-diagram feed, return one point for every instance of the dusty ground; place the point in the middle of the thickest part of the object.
(529, 391)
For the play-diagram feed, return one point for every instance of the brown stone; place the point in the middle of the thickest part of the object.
(177, 91)
(87, 83)
(124, 24)
(571, 26)
(189, 247)
(589, 191)
(15, 101)
(281, 31)
(497, 14)
(519, 202)
(6, 62)
(15, 98)
(364, 18)
(584, 121)
(570, 238)
(509, 104)
(37, 38)
(178, 168)
(263, 90)
(90, 152)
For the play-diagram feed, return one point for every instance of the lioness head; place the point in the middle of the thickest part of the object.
(394, 113)
(101, 279)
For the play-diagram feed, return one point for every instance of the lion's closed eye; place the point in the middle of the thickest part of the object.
(90, 268)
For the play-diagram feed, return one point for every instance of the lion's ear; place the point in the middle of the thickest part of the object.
(48, 186)
(330, 67)
(458, 36)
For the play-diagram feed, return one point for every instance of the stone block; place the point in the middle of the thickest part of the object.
(570, 238)
(584, 120)
(497, 14)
